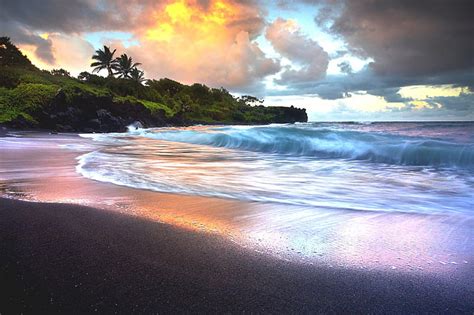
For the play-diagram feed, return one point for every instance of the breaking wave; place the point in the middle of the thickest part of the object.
(325, 143)
(378, 167)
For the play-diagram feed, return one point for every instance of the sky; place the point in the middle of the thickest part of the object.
(341, 60)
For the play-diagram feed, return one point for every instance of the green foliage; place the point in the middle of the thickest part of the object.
(124, 66)
(24, 89)
(92, 78)
(24, 100)
(166, 86)
(75, 88)
(29, 77)
(137, 76)
(9, 77)
(11, 56)
(60, 73)
(7, 109)
(152, 106)
(104, 59)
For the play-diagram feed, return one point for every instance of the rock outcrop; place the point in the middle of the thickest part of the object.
(89, 113)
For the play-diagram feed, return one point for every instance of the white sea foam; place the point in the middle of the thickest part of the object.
(352, 166)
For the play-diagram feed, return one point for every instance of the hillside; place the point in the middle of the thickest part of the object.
(34, 98)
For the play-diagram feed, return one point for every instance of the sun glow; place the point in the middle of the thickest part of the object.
(185, 19)
(163, 32)
(178, 12)
(422, 92)
(212, 42)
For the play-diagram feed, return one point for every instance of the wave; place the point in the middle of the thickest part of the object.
(304, 165)
(326, 143)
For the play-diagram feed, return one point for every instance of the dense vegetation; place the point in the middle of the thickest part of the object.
(54, 100)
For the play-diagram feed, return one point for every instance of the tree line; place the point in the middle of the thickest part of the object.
(122, 66)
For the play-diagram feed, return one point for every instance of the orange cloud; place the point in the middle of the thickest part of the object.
(212, 43)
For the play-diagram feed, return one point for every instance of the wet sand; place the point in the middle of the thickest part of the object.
(70, 258)
(143, 251)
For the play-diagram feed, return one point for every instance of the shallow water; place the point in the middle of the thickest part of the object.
(392, 167)
(340, 212)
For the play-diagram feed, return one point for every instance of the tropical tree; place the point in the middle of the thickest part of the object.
(105, 60)
(137, 75)
(250, 100)
(124, 65)
(84, 76)
(60, 73)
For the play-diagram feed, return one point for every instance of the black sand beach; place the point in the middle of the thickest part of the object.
(70, 258)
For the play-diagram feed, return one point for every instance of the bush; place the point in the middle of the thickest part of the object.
(24, 100)
(152, 106)
(73, 88)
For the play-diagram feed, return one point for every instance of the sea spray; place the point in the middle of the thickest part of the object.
(376, 167)
(328, 143)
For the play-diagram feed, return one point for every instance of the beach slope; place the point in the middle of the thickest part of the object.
(70, 258)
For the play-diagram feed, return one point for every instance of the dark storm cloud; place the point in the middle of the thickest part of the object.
(405, 37)
(391, 95)
(338, 86)
(411, 42)
(440, 107)
(72, 16)
(22, 20)
(463, 102)
(21, 35)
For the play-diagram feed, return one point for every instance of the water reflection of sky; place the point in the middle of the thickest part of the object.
(396, 242)
(297, 180)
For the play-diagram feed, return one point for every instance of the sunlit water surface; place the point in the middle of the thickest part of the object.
(392, 196)
(421, 168)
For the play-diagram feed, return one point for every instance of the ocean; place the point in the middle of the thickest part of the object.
(395, 197)
(409, 167)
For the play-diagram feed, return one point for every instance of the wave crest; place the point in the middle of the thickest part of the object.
(327, 143)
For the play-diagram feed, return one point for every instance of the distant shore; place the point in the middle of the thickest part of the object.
(70, 258)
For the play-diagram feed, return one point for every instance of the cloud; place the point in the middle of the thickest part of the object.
(24, 21)
(288, 40)
(219, 43)
(463, 103)
(345, 67)
(72, 16)
(410, 43)
(20, 35)
(337, 86)
(404, 37)
(68, 50)
(211, 42)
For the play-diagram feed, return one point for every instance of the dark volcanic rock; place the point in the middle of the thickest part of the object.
(89, 113)
(20, 122)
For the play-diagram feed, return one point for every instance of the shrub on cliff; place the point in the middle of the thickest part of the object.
(24, 100)
(54, 99)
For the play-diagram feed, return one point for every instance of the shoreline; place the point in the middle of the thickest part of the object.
(91, 245)
(71, 258)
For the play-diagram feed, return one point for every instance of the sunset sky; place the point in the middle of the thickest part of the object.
(341, 60)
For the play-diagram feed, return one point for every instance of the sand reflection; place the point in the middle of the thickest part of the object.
(39, 169)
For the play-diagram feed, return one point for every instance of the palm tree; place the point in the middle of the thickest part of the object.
(124, 65)
(137, 75)
(105, 60)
